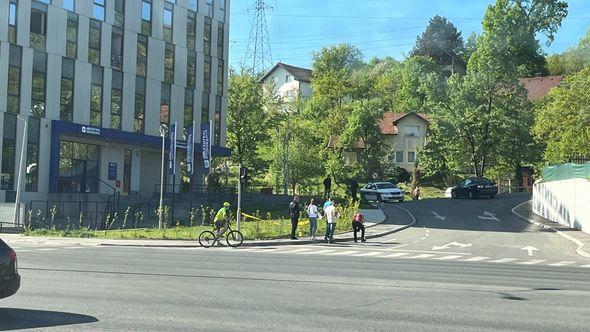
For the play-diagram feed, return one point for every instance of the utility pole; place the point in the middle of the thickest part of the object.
(161, 208)
(258, 56)
(20, 171)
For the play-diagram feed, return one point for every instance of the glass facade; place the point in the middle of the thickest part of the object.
(12, 19)
(165, 105)
(72, 36)
(39, 84)
(79, 167)
(189, 101)
(146, 17)
(191, 30)
(142, 55)
(205, 108)
(116, 99)
(139, 112)
(169, 64)
(207, 37)
(168, 21)
(14, 79)
(94, 42)
(38, 35)
(98, 9)
(117, 48)
(66, 107)
(8, 152)
(191, 69)
(96, 96)
(120, 13)
(32, 165)
(207, 75)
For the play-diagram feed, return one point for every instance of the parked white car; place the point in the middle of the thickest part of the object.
(382, 191)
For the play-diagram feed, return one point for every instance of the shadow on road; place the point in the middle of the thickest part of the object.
(16, 319)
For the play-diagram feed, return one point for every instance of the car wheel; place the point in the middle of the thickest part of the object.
(379, 198)
(453, 194)
(471, 195)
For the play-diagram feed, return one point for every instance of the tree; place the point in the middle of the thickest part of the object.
(246, 119)
(419, 78)
(572, 60)
(562, 122)
(510, 28)
(441, 41)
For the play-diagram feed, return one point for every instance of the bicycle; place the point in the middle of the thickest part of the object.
(234, 238)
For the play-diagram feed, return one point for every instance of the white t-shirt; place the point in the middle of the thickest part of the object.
(312, 211)
(331, 214)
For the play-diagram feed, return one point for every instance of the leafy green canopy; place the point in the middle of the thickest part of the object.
(441, 41)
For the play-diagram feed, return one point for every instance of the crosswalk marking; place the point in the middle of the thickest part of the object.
(562, 263)
(448, 257)
(340, 253)
(397, 254)
(321, 252)
(504, 260)
(72, 247)
(370, 253)
(532, 262)
(476, 259)
(46, 249)
(296, 251)
(585, 265)
(420, 256)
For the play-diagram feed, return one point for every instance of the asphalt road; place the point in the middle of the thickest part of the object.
(375, 286)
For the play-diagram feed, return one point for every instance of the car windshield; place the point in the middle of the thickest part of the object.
(386, 186)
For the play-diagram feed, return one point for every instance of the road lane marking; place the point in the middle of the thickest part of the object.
(295, 251)
(423, 238)
(397, 254)
(448, 257)
(532, 262)
(421, 256)
(72, 247)
(563, 263)
(504, 260)
(342, 253)
(46, 249)
(435, 252)
(585, 265)
(320, 252)
(476, 259)
(389, 241)
(370, 253)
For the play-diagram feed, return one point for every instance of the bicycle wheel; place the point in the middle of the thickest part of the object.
(234, 238)
(207, 239)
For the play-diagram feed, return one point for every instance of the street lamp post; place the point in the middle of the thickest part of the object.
(20, 172)
(161, 207)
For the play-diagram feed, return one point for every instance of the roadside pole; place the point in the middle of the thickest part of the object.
(20, 173)
(239, 213)
(161, 206)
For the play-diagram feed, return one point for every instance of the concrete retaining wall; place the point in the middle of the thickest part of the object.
(566, 202)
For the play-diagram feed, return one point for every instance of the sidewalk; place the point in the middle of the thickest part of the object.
(377, 225)
(581, 239)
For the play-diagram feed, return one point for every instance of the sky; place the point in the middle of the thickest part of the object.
(379, 28)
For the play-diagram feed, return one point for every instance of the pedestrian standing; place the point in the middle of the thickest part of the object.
(416, 193)
(313, 213)
(354, 186)
(294, 213)
(328, 203)
(358, 224)
(331, 217)
(327, 187)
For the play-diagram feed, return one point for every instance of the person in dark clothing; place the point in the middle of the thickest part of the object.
(354, 186)
(294, 213)
(358, 224)
(327, 187)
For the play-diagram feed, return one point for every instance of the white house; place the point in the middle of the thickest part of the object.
(289, 81)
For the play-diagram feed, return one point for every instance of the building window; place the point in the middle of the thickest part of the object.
(191, 69)
(116, 99)
(12, 15)
(142, 55)
(14, 79)
(399, 156)
(8, 152)
(207, 75)
(120, 13)
(146, 17)
(411, 156)
(32, 170)
(220, 40)
(66, 107)
(72, 36)
(222, 8)
(69, 5)
(191, 30)
(96, 97)
(220, 67)
(412, 131)
(139, 113)
(210, 8)
(193, 5)
(217, 140)
(189, 100)
(169, 64)
(94, 42)
(98, 9)
(165, 105)
(38, 26)
(168, 23)
(205, 108)
(288, 78)
(39, 84)
(117, 48)
(79, 167)
(207, 37)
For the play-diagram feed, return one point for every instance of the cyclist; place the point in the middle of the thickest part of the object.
(222, 220)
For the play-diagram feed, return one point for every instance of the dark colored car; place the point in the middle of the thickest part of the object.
(475, 187)
(9, 277)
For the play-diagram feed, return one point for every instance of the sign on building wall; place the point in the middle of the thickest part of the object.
(172, 149)
(112, 171)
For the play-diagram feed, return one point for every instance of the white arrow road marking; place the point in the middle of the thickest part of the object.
(563, 263)
(488, 216)
(438, 216)
(530, 249)
(456, 244)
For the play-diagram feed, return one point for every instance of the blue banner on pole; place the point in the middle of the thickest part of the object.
(172, 149)
(205, 143)
(190, 144)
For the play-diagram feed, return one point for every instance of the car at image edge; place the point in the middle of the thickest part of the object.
(382, 192)
(9, 277)
(475, 187)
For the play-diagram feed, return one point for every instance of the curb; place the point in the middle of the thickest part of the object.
(579, 243)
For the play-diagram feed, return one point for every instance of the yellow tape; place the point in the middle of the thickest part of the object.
(249, 216)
